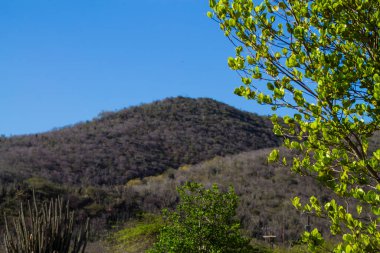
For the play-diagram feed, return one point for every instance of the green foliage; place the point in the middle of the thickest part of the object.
(47, 229)
(322, 60)
(302, 248)
(203, 222)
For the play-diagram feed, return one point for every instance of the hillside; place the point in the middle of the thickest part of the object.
(135, 142)
(129, 162)
(265, 192)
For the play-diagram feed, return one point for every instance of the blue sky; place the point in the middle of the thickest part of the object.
(65, 61)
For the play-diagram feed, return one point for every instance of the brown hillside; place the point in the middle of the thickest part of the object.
(135, 142)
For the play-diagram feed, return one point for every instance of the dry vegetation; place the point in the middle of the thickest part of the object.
(135, 142)
(265, 192)
(130, 162)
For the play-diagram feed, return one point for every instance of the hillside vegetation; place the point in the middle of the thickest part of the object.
(135, 142)
(130, 162)
(90, 163)
(265, 192)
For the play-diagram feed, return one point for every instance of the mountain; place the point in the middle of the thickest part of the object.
(135, 142)
(130, 161)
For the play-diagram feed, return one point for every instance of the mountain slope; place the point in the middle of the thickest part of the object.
(135, 142)
(265, 191)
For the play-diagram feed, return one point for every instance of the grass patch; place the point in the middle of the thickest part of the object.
(138, 235)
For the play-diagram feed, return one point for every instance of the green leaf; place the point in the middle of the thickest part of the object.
(296, 202)
(250, 60)
(273, 156)
(231, 62)
(376, 154)
(376, 210)
(314, 125)
(292, 61)
(359, 209)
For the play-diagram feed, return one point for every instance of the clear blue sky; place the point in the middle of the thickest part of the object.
(65, 61)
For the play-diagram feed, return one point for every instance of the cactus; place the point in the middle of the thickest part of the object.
(48, 229)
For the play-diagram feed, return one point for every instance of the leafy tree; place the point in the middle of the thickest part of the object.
(203, 222)
(321, 60)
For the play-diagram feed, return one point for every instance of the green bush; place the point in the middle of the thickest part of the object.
(203, 222)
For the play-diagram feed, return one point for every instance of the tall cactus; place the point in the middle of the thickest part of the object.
(48, 229)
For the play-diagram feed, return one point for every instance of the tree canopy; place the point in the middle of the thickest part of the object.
(319, 59)
(203, 222)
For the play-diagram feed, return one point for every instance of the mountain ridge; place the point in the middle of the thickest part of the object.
(136, 142)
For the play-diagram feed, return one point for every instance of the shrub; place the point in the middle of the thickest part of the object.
(203, 222)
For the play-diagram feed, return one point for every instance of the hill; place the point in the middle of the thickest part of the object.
(135, 142)
(130, 161)
(265, 192)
